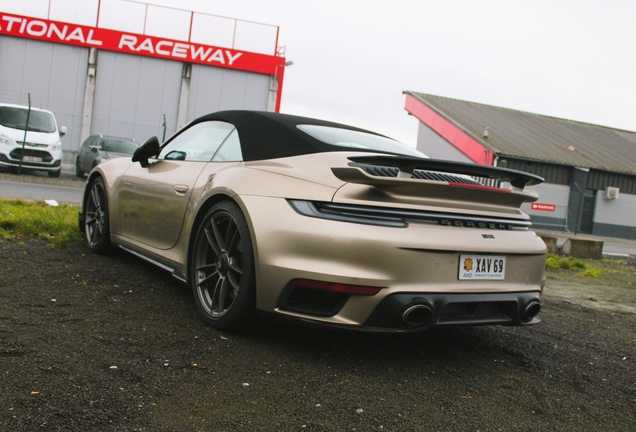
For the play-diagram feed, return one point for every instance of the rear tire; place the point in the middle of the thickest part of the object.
(222, 268)
(96, 218)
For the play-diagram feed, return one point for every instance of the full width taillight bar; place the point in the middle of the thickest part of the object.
(400, 218)
(336, 287)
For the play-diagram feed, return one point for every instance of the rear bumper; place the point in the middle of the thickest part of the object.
(412, 313)
(418, 262)
(415, 312)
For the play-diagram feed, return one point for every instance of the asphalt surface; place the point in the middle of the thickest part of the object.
(37, 186)
(36, 192)
(111, 343)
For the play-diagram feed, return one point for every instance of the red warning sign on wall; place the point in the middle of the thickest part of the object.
(543, 207)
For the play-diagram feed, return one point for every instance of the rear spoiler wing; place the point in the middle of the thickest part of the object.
(407, 164)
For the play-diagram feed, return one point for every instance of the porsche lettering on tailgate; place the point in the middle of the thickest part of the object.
(482, 267)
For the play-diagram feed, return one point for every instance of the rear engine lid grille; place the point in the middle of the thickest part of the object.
(384, 171)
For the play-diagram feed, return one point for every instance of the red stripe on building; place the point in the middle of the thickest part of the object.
(132, 43)
(451, 133)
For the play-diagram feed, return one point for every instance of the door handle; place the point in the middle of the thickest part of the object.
(180, 189)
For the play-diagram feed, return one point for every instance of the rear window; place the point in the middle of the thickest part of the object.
(118, 146)
(16, 118)
(356, 140)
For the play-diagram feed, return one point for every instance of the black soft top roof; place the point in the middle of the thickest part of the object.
(268, 135)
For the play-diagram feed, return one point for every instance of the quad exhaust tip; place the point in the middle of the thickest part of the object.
(532, 310)
(417, 315)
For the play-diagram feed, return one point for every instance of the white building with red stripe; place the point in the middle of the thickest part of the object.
(131, 69)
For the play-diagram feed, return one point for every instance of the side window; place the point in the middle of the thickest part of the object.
(197, 143)
(230, 150)
(88, 142)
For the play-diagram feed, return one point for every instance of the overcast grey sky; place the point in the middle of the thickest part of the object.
(352, 59)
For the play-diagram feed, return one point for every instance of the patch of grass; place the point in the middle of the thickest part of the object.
(625, 270)
(571, 263)
(592, 272)
(58, 225)
(614, 261)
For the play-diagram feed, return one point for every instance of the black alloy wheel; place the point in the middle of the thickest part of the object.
(96, 221)
(222, 268)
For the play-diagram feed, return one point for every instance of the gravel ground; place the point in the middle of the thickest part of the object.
(95, 343)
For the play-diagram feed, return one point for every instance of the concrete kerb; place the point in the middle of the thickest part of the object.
(579, 245)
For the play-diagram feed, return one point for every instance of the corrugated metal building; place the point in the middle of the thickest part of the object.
(590, 170)
(131, 69)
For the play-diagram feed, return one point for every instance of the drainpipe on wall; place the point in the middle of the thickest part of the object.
(578, 184)
(276, 87)
(273, 91)
(184, 96)
(89, 96)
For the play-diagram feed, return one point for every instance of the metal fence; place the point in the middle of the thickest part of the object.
(556, 220)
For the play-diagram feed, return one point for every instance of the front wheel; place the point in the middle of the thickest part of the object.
(222, 268)
(96, 219)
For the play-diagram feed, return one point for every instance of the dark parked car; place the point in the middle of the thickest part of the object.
(98, 148)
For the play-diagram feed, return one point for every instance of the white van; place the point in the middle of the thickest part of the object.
(43, 148)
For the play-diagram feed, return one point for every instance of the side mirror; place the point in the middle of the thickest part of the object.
(147, 150)
(63, 131)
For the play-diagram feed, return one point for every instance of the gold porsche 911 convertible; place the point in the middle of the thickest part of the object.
(285, 217)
